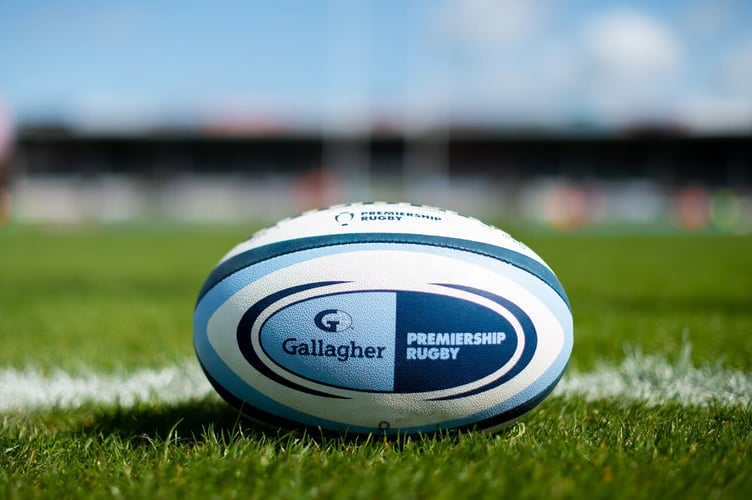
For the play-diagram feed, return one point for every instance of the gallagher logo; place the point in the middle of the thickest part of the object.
(332, 320)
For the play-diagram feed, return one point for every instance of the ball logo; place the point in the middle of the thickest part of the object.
(333, 320)
(344, 218)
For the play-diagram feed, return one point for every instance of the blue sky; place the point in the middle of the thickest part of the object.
(345, 63)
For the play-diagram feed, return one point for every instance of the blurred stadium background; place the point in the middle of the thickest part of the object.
(564, 115)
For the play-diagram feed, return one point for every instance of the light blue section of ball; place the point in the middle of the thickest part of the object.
(359, 357)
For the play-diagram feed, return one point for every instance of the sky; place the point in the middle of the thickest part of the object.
(347, 64)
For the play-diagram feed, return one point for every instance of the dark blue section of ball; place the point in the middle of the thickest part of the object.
(454, 362)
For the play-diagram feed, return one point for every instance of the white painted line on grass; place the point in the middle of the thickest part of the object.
(640, 378)
(654, 380)
(33, 389)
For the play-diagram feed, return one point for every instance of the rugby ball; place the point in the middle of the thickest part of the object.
(382, 318)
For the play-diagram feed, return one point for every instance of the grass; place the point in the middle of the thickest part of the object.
(566, 449)
(120, 299)
(102, 299)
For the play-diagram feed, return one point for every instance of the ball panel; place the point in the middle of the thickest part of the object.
(350, 352)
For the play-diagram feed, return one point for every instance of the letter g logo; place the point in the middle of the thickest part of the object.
(332, 320)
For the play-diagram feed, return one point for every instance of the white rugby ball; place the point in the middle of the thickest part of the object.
(383, 317)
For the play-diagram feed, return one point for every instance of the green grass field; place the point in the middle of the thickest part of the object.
(111, 302)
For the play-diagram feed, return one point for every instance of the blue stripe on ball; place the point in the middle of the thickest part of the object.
(260, 254)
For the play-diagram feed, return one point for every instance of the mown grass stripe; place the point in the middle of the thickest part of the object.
(641, 378)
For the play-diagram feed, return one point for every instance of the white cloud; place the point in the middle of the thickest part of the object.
(632, 45)
(512, 61)
(727, 105)
(716, 114)
(481, 25)
(499, 61)
(633, 62)
(536, 63)
(115, 111)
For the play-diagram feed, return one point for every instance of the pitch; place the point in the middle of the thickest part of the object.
(100, 394)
